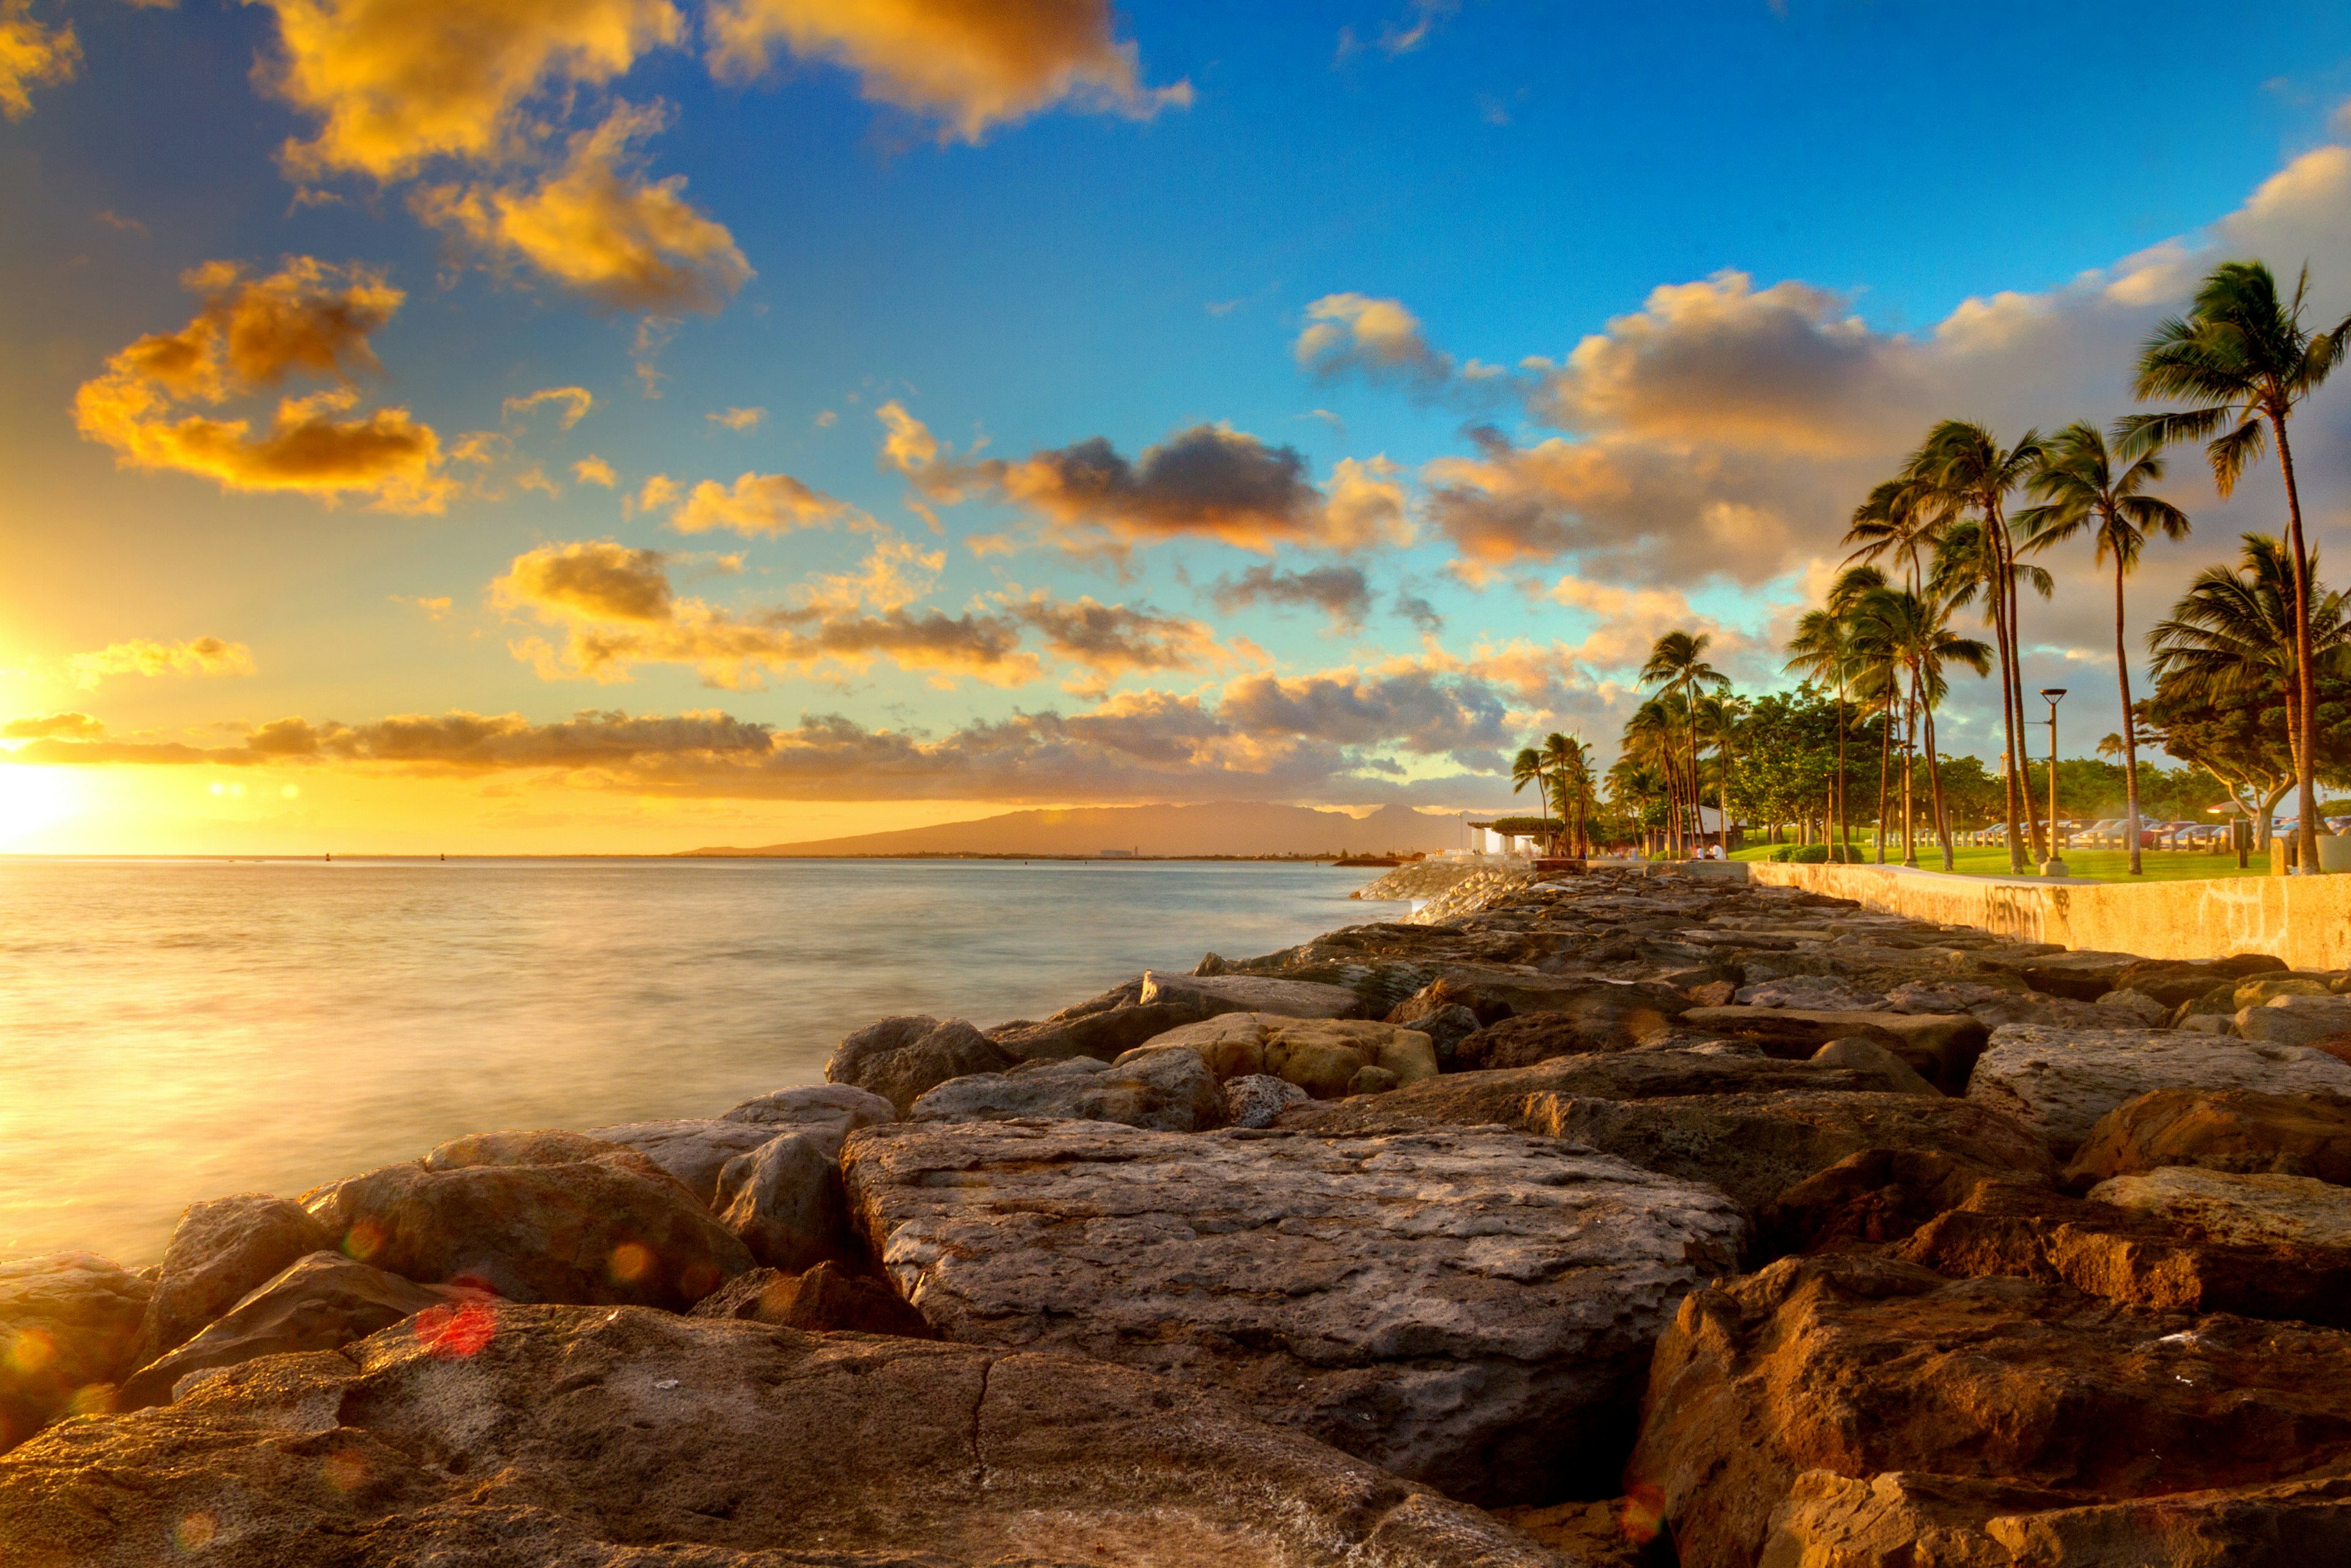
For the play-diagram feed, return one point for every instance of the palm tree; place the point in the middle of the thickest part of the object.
(1960, 469)
(1677, 662)
(1649, 747)
(2233, 636)
(1571, 769)
(2244, 356)
(2081, 491)
(1821, 650)
(1973, 559)
(1720, 714)
(1529, 767)
(1911, 633)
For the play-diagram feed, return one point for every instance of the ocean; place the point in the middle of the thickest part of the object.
(172, 1030)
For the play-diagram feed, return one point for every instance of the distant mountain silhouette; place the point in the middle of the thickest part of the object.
(1246, 827)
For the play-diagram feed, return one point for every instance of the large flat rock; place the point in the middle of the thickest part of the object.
(2251, 1209)
(2221, 1130)
(2060, 1082)
(69, 1325)
(1167, 1092)
(604, 1438)
(1468, 1308)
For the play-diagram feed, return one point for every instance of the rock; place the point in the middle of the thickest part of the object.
(899, 1058)
(1465, 1307)
(1255, 1099)
(1756, 1146)
(2295, 1020)
(844, 1106)
(1231, 1044)
(1371, 1081)
(1861, 1367)
(1996, 1000)
(2132, 1009)
(540, 1147)
(2173, 981)
(1618, 1010)
(1615, 1533)
(693, 1151)
(1323, 1056)
(2083, 977)
(1881, 1196)
(827, 1299)
(69, 1325)
(2060, 1082)
(1713, 994)
(1868, 1056)
(609, 1227)
(591, 1435)
(1940, 1048)
(1249, 994)
(1447, 1024)
(1900, 1519)
(221, 1249)
(2255, 1209)
(783, 1201)
(321, 1301)
(2221, 1130)
(1166, 1091)
(1575, 1018)
(2262, 989)
(1811, 993)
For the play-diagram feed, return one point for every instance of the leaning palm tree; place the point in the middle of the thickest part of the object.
(2243, 355)
(1649, 745)
(1973, 560)
(1529, 766)
(1677, 662)
(2081, 491)
(1963, 469)
(2231, 638)
(1912, 633)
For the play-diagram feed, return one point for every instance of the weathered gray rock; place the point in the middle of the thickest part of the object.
(844, 1106)
(1249, 994)
(1447, 1024)
(899, 1058)
(695, 1151)
(1940, 1048)
(2083, 976)
(1255, 1099)
(2251, 1209)
(625, 1438)
(69, 1325)
(827, 1299)
(1868, 1056)
(2128, 1009)
(220, 1251)
(1596, 1014)
(593, 1223)
(1811, 993)
(321, 1301)
(2296, 1020)
(783, 1200)
(2060, 1082)
(1465, 1307)
(1107, 1026)
(2175, 982)
(1321, 1056)
(1166, 1091)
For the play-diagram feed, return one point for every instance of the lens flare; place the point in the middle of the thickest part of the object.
(196, 1531)
(630, 1261)
(456, 1333)
(344, 1470)
(364, 1240)
(29, 1352)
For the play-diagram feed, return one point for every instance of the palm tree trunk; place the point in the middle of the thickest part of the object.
(1909, 780)
(1723, 794)
(1844, 822)
(1696, 781)
(1884, 755)
(2130, 734)
(2007, 680)
(2306, 665)
(2006, 588)
(1934, 780)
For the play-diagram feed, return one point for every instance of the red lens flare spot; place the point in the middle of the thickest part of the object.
(28, 1352)
(1644, 1514)
(91, 1399)
(454, 1333)
(698, 1281)
(364, 1240)
(344, 1470)
(630, 1261)
(196, 1531)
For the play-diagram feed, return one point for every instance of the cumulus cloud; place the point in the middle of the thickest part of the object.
(31, 56)
(395, 84)
(1209, 481)
(757, 505)
(139, 656)
(1108, 641)
(1342, 592)
(53, 727)
(250, 335)
(964, 64)
(594, 578)
(1378, 338)
(594, 470)
(739, 419)
(594, 224)
(574, 402)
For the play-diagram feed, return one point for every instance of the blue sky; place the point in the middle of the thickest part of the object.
(1820, 190)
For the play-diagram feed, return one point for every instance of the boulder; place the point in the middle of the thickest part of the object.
(608, 1227)
(1447, 1024)
(322, 1302)
(1321, 1056)
(1811, 993)
(1249, 994)
(1879, 1195)
(1755, 1146)
(2262, 989)
(899, 1058)
(70, 1323)
(783, 1201)
(1166, 1091)
(1860, 1367)
(2083, 977)
(1469, 1308)
(1617, 1011)
(2060, 1082)
(2130, 1009)
(597, 1436)
(826, 1299)
(1940, 1048)
(1232, 1045)
(1256, 1098)
(2221, 1130)
(2293, 1020)
(2174, 981)
(220, 1251)
(844, 1106)
(1575, 1019)
(2256, 1209)
(693, 1151)
(1996, 1000)
(1611, 1532)
(1863, 1055)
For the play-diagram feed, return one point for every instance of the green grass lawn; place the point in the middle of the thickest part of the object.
(2104, 865)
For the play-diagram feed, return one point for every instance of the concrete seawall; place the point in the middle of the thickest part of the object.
(2302, 920)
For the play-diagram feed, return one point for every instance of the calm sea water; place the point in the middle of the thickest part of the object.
(174, 1030)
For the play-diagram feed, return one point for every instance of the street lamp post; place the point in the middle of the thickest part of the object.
(2056, 864)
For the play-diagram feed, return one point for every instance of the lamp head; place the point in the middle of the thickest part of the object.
(2053, 692)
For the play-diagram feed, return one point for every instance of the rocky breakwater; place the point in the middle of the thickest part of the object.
(1617, 1219)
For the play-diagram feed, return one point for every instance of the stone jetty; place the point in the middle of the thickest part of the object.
(1613, 1219)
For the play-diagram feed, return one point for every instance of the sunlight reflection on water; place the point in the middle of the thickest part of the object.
(174, 1030)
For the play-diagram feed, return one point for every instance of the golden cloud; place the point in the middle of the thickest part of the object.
(139, 656)
(32, 55)
(967, 64)
(576, 402)
(595, 579)
(594, 470)
(597, 226)
(757, 505)
(739, 419)
(249, 336)
(397, 83)
(53, 727)
(1378, 338)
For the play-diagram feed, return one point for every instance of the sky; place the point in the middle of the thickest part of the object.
(626, 425)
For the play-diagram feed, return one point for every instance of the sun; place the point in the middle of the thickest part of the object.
(32, 800)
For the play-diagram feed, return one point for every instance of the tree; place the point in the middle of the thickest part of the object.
(2233, 640)
(1570, 772)
(1718, 715)
(2080, 491)
(1529, 766)
(1822, 650)
(1911, 633)
(1677, 663)
(2244, 356)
